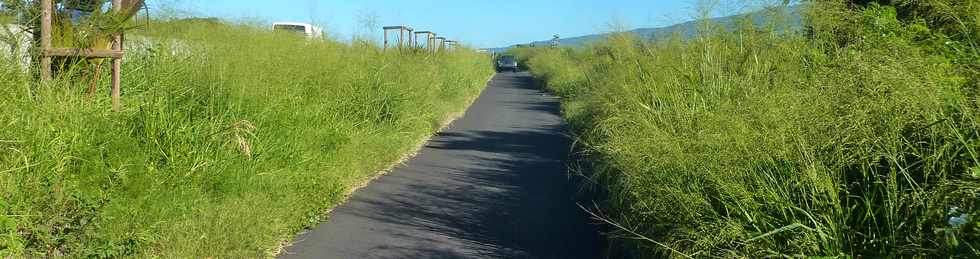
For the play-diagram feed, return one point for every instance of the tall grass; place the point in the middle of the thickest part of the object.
(232, 140)
(762, 142)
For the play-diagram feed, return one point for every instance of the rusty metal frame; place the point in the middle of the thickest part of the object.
(441, 46)
(401, 35)
(116, 53)
(429, 39)
(451, 44)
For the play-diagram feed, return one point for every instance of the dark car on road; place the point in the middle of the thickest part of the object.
(507, 63)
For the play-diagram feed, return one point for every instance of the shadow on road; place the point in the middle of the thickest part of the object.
(494, 186)
(505, 199)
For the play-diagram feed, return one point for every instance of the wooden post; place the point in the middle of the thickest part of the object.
(432, 43)
(450, 45)
(117, 45)
(116, 54)
(46, 13)
(411, 41)
(402, 30)
(441, 45)
(418, 44)
(386, 39)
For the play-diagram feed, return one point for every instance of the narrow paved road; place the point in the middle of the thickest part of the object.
(492, 186)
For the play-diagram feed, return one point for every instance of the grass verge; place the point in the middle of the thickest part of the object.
(232, 140)
(857, 137)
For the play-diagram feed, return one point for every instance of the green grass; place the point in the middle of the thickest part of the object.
(232, 140)
(857, 138)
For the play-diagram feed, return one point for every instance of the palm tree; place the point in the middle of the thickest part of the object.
(85, 24)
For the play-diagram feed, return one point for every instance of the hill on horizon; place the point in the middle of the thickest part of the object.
(686, 29)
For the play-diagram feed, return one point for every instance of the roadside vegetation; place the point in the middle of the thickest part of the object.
(856, 136)
(232, 140)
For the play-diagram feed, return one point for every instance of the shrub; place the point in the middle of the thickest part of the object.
(856, 138)
(232, 140)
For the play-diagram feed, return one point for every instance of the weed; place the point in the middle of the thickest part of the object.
(232, 140)
(852, 138)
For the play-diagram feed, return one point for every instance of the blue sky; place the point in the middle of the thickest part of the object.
(474, 22)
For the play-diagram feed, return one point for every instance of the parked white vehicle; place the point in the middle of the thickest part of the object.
(306, 29)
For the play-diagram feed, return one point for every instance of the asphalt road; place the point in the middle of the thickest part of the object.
(494, 185)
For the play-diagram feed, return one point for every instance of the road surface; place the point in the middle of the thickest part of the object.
(494, 185)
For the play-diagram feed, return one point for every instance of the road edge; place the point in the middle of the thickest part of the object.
(447, 123)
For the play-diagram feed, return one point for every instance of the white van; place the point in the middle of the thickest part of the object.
(306, 29)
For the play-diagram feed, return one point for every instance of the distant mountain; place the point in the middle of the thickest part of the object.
(687, 29)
